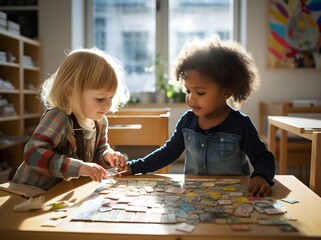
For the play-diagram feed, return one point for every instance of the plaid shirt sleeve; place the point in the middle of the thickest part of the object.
(42, 152)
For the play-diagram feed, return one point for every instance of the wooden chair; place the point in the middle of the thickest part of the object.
(139, 127)
(298, 149)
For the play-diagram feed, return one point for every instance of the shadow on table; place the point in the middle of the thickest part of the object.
(280, 190)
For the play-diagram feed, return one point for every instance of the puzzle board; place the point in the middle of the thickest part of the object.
(157, 200)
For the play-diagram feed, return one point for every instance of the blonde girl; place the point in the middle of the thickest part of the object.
(71, 137)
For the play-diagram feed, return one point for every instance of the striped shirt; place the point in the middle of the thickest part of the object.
(50, 154)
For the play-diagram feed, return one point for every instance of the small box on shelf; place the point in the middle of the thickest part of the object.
(6, 85)
(3, 20)
(3, 56)
(3, 24)
(8, 110)
(27, 60)
(13, 27)
(3, 16)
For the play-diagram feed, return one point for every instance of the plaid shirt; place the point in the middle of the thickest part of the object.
(50, 154)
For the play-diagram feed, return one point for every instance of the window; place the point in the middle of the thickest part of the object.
(136, 31)
(100, 33)
(136, 57)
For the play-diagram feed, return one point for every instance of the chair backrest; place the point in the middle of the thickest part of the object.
(141, 112)
(138, 127)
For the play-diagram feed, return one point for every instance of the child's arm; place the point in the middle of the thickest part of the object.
(261, 159)
(166, 154)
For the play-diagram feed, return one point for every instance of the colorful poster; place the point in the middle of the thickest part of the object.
(294, 38)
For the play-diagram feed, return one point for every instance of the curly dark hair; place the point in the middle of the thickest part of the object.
(225, 62)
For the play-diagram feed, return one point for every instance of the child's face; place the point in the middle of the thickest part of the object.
(96, 103)
(203, 95)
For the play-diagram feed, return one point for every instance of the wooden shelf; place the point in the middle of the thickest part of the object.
(9, 64)
(26, 79)
(32, 115)
(15, 91)
(6, 146)
(19, 8)
(11, 118)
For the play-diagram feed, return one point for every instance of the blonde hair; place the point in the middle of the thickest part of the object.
(81, 70)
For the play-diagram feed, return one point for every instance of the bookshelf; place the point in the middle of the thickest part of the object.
(20, 109)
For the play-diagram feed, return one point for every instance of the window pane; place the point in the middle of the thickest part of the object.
(197, 19)
(126, 30)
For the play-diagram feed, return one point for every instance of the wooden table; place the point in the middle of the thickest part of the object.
(298, 151)
(27, 225)
(306, 128)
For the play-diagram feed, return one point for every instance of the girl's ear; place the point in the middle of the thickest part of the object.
(227, 93)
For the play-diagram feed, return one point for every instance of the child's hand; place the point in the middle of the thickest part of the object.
(123, 171)
(258, 187)
(116, 159)
(93, 170)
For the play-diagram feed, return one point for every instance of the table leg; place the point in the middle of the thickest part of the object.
(272, 138)
(283, 152)
(315, 167)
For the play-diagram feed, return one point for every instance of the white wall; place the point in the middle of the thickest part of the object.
(54, 33)
(57, 21)
(60, 30)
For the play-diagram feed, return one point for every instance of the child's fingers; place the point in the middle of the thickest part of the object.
(253, 189)
(260, 190)
(116, 159)
(93, 170)
(110, 159)
(104, 173)
(122, 161)
(98, 173)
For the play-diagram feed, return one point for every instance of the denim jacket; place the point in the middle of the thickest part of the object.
(223, 150)
(220, 150)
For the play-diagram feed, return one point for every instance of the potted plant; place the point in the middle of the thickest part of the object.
(161, 78)
(165, 90)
